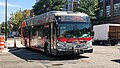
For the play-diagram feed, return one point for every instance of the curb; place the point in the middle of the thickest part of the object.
(5, 50)
(13, 49)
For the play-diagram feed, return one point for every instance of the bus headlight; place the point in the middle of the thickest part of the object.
(89, 44)
(61, 46)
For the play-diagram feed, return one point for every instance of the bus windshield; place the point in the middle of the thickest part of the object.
(74, 30)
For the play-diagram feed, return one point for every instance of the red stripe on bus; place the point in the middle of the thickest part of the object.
(73, 39)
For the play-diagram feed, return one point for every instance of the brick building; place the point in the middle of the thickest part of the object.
(109, 10)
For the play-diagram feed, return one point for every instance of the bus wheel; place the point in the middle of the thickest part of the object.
(26, 44)
(46, 49)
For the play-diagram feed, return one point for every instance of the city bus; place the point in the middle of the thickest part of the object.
(58, 33)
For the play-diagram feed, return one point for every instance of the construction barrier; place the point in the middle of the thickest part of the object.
(2, 43)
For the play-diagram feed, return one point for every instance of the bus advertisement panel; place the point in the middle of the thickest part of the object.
(58, 33)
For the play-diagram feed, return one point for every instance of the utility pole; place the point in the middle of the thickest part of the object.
(5, 20)
(72, 5)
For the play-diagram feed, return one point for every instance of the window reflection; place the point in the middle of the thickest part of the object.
(116, 9)
(108, 11)
(101, 12)
(100, 0)
(74, 30)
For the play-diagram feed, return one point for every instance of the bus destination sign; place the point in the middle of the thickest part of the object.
(72, 19)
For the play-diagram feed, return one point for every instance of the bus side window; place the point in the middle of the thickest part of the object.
(46, 32)
(40, 32)
(34, 33)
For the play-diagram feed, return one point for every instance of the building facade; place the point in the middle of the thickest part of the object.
(109, 10)
(70, 4)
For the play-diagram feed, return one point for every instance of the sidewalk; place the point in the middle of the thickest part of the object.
(10, 60)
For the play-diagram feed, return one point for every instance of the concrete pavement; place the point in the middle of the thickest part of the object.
(9, 60)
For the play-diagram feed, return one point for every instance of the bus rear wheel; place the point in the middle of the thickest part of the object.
(25, 43)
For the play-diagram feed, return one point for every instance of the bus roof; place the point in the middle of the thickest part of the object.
(50, 17)
(68, 13)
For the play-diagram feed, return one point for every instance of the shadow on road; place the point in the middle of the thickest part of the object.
(28, 55)
(116, 60)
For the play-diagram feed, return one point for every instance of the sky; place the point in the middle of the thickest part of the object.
(14, 6)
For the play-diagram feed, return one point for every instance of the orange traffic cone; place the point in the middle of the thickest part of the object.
(2, 45)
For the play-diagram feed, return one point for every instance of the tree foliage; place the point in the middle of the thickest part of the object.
(2, 27)
(17, 18)
(43, 6)
(89, 7)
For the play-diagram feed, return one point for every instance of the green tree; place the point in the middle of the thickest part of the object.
(43, 6)
(2, 27)
(18, 17)
(15, 21)
(58, 4)
(89, 7)
(26, 14)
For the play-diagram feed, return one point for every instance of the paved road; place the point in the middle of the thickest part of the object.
(102, 57)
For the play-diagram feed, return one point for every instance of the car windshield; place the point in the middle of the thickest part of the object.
(74, 30)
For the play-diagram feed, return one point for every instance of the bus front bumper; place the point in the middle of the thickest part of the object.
(75, 51)
(88, 50)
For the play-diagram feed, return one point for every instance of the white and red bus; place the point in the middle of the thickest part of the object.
(58, 33)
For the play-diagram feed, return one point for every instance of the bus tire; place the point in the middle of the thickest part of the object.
(46, 49)
(26, 44)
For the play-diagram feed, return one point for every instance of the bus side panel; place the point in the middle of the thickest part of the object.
(25, 36)
(25, 41)
(37, 38)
